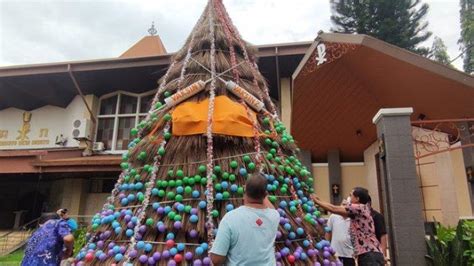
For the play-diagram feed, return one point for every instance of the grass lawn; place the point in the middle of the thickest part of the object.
(13, 258)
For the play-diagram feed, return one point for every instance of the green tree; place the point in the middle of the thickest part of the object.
(399, 22)
(439, 52)
(467, 34)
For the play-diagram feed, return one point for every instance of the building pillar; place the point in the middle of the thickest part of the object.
(335, 184)
(467, 138)
(400, 187)
(285, 102)
(74, 196)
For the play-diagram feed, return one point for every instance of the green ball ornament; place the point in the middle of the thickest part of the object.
(142, 156)
(272, 199)
(232, 177)
(171, 215)
(171, 183)
(240, 190)
(268, 141)
(214, 177)
(269, 156)
(178, 198)
(246, 159)
(225, 195)
(147, 168)
(124, 166)
(180, 173)
(95, 226)
(167, 94)
(170, 173)
(293, 209)
(215, 213)
(218, 187)
(167, 117)
(179, 182)
(177, 218)
(161, 151)
(133, 172)
(191, 181)
(197, 178)
(149, 222)
(187, 209)
(167, 136)
(188, 190)
(161, 193)
(158, 105)
(275, 144)
(140, 197)
(126, 178)
(234, 164)
(267, 132)
(202, 169)
(272, 166)
(273, 151)
(283, 190)
(251, 166)
(225, 175)
(134, 131)
(217, 169)
(170, 195)
(266, 121)
(284, 140)
(203, 181)
(164, 183)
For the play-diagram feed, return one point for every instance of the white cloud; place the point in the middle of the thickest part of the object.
(40, 31)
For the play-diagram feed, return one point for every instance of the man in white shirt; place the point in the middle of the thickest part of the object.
(246, 235)
(340, 237)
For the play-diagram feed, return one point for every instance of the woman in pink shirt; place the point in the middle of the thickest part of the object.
(366, 246)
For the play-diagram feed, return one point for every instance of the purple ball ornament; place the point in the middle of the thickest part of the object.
(298, 220)
(130, 225)
(143, 259)
(110, 252)
(326, 254)
(142, 229)
(317, 264)
(171, 263)
(206, 261)
(177, 225)
(279, 234)
(151, 261)
(102, 257)
(127, 218)
(111, 245)
(333, 263)
(278, 255)
(326, 262)
(194, 211)
(133, 253)
(297, 254)
(287, 242)
(157, 256)
(165, 254)
(162, 228)
(188, 256)
(193, 233)
(160, 210)
(197, 262)
(100, 244)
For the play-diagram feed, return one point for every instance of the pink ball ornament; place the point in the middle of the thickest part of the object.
(170, 243)
(178, 258)
(89, 257)
(291, 259)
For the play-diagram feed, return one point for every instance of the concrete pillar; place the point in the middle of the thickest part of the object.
(467, 137)
(285, 102)
(74, 196)
(400, 187)
(335, 184)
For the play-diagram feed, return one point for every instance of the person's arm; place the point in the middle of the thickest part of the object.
(221, 244)
(69, 245)
(329, 207)
(383, 245)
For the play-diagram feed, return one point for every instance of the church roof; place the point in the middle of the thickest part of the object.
(147, 46)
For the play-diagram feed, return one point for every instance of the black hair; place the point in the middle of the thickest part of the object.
(46, 216)
(369, 201)
(362, 194)
(256, 187)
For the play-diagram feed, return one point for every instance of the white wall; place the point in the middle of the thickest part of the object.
(46, 123)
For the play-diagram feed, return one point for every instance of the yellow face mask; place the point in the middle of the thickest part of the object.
(229, 118)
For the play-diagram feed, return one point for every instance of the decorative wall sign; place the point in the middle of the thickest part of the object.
(326, 53)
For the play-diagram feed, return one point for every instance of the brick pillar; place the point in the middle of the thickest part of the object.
(401, 188)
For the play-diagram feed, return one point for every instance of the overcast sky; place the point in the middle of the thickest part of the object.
(43, 31)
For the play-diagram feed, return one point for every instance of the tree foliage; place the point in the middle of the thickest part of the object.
(439, 52)
(467, 34)
(399, 22)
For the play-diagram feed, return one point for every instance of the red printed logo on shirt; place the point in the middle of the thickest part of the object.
(259, 222)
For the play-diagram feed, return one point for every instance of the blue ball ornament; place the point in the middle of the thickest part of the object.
(234, 188)
(243, 171)
(156, 205)
(129, 232)
(180, 207)
(195, 194)
(167, 209)
(140, 245)
(118, 257)
(225, 184)
(205, 246)
(229, 207)
(287, 226)
(124, 202)
(118, 230)
(306, 243)
(194, 218)
(219, 196)
(299, 231)
(134, 219)
(292, 235)
(180, 246)
(202, 204)
(169, 236)
(155, 191)
(199, 251)
(173, 251)
(148, 247)
(180, 190)
(138, 186)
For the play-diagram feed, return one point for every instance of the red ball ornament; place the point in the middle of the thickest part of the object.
(170, 243)
(291, 259)
(89, 257)
(178, 258)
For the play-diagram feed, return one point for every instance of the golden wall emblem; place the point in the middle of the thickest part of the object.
(25, 129)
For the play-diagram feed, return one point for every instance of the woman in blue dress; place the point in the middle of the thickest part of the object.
(52, 242)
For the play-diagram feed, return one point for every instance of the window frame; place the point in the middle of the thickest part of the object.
(116, 116)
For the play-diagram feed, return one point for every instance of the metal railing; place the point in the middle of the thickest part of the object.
(16, 238)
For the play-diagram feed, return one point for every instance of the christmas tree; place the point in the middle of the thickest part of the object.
(212, 124)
